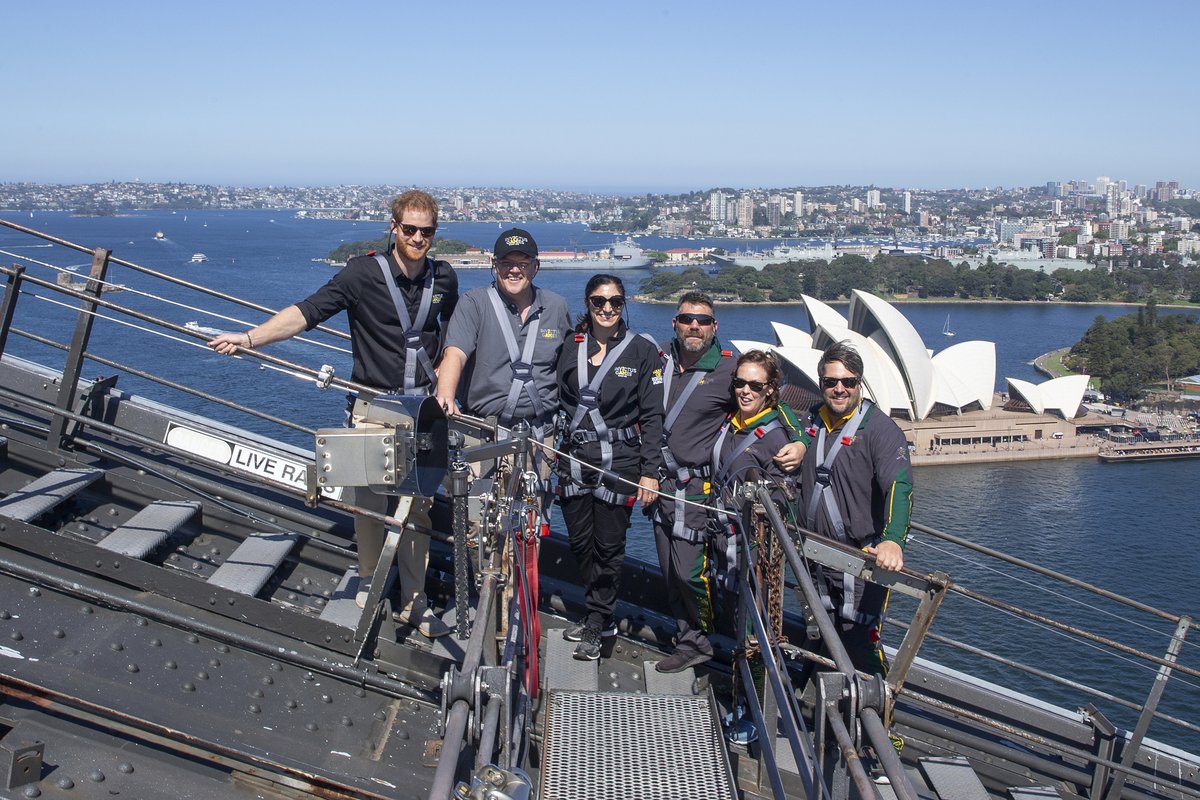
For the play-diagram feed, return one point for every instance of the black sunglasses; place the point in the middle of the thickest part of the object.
(755, 386)
(699, 319)
(598, 302)
(850, 382)
(409, 230)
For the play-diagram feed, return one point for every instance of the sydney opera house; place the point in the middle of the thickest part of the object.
(947, 398)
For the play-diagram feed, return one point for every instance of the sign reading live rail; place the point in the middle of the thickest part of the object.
(243, 458)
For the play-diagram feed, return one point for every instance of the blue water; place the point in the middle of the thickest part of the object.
(1129, 527)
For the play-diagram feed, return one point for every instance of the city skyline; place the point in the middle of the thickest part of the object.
(644, 98)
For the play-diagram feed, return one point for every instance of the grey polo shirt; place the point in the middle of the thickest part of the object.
(487, 376)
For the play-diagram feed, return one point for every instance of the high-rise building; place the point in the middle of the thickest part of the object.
(716, 206)
(872, 198)
(856, 205)
(1006, 230)
(745, 211)
(907, 201)
(1118, 230)
(1112, 199)
(1102, 183)
(1058, 208)
(798, 204)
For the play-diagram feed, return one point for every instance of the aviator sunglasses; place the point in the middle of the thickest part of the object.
(598, 302)
(755, 386)
(850, 382)
(699, 319)
(410, 230)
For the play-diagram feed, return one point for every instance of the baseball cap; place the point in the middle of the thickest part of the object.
(515, 240)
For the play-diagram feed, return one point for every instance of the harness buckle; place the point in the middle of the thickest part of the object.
(522, 371)
(412, 339)
(589, 398)
(823, 476)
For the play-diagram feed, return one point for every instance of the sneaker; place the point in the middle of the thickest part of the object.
(430, 625)
(574, 633)
(588, 648)
(681, 660)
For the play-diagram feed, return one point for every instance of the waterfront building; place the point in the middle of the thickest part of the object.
(873, 198)
(798, 204)
(1007, 230)
(906, 202)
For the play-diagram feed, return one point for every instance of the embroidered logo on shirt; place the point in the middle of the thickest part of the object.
(624, 372)
(656, 377)
(437, 298)
(550, 333)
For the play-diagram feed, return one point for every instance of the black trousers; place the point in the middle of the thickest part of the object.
(596, 532)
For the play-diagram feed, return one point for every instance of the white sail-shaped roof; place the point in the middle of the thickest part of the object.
(884, 384)
(883, 324)
(965, 373)
(1059, 395)
(821, 315)
(789, 336)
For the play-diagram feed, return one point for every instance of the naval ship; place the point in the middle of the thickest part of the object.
(178, 588)
(614, 258)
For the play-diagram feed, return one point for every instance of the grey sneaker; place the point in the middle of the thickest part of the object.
(429, 625)
(588, 648)
(574, 633)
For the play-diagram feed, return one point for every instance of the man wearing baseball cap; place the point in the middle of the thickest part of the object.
(502, 343)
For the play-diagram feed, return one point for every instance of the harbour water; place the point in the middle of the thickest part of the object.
(1129, 527)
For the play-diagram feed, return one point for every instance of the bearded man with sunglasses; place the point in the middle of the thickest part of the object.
(856, 487)
(397, 303)
(697, 376)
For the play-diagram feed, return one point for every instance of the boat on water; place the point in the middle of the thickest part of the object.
(620, 256)
(946, 328)
(198, 258)
(194, 325)
(177, 588)
(159, 236)
(776, 255)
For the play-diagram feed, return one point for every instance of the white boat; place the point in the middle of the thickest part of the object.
(622, 255)
(193, 325)
(198, 258)
(159, 236)
(946, 328)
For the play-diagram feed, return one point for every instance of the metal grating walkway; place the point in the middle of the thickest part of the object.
(615, 746)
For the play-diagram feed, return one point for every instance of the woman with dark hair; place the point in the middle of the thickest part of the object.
(610, 383)
(759, 427)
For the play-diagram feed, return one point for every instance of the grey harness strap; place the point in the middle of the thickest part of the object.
(823, 498)
(521, 363)
(721, 471)
(414, 351)
(683, 475)
(589, 402)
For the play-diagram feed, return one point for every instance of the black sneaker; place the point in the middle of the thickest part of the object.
(588, 648)
(574, 633)
(681, 660)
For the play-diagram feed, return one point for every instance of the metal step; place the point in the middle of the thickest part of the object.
(149, 528)
(341, 608)
(46, 492)
(952, 778)
(251, 565)
(1033, 793)
(563, 671)
(669, 682)
(618, 745)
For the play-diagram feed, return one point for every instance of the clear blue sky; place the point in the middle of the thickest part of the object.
(623, 96)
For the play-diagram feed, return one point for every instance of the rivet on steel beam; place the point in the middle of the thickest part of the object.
(16, 636)
(171, 665)
(96, 775)
(311, 726)
(125, 767)
(347, 722)
(35, 591)
(326, 698)
(255, 708)
(58, 633)
(131, 668)
(257, 693)
(116, 647)
(189, 687)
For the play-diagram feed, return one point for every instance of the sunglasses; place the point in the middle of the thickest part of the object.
(598, 302)
(850, 382)
(698, 319)
(411, 230)
(758, 387)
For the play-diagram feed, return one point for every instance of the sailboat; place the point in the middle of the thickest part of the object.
(946, 328)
